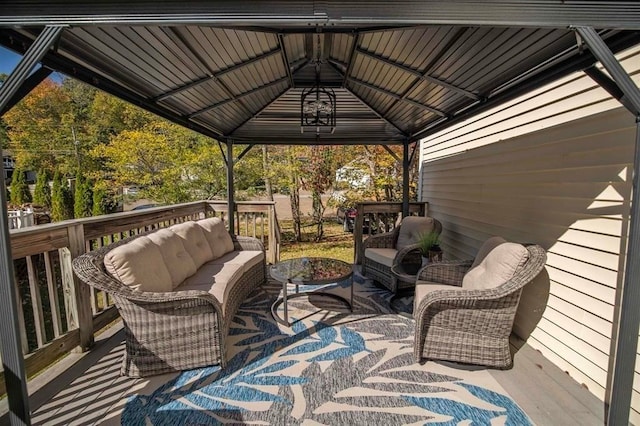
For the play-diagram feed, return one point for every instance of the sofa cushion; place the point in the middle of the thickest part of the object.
(424, 288)
(384, 256)
(498, 267)
(139, 265)
(194, 242)
(485, 248)
(411, 228)
(216, 279)
(246, 258)
(217, 236)
(175, 256)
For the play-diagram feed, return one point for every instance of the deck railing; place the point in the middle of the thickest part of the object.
(381, 217)
(59, 314)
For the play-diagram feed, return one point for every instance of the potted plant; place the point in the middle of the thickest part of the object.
(429, 244)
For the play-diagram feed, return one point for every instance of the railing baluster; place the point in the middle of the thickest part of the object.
(21, 323)
(36, 303)
(54, 300)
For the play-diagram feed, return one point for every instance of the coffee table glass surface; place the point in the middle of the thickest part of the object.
(309, 271)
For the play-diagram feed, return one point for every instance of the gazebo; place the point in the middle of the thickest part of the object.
(331, 73)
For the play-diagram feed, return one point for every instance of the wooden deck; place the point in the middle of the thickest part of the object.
(85, 389)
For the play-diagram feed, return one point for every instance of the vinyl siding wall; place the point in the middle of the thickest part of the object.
(553, 167)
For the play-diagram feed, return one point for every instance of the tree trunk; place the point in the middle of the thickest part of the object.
(318, 215)
(294, 196)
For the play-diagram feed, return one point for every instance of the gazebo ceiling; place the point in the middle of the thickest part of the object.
(393, 81)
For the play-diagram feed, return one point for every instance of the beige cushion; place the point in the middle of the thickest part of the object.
(216, 279)
(217, 236)
(486, 247)
(412, 228)
(175, 256)
(194, 242)
(246, 258)
(137, 264)
(497, 267)
(384, 256)
(423, 288)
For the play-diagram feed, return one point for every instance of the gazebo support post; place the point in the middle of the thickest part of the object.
(405, 178)
(231, 202)
(12, 357)
(626, 334)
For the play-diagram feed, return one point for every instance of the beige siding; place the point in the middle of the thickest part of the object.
(554, 168)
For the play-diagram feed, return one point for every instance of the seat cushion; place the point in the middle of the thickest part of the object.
(485, 248)
(139, 265)
(194, 242)
(217, 236)
(384, 256)
(246, 258)
(498, 267)
(412, 228)
(423, 288)
(175, 256)
(216, 279)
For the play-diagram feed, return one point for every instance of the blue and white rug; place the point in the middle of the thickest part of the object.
(329, 368)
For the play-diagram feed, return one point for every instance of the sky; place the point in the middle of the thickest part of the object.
(8, 60)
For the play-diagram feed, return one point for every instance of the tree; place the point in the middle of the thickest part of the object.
(152, 158)
(83, 199)
(42, 192)
(104, 202)
(39, 137)
(20, 193)
(319, 172)
(61, 199)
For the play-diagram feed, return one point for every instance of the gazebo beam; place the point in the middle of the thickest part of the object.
(628, 321)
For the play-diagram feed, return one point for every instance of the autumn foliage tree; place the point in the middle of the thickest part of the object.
(42, 191)
(20, 193)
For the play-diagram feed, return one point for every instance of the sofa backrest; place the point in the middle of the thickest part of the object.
(412, 228)
(162, 260)
(499, 265)
(194, 241)
(217, 236)
(174, 255)
(486, 248)
(139, 265)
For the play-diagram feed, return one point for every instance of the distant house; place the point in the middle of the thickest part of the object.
(353, 177)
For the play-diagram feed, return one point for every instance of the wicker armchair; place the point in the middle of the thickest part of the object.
(471, 324)
(382, 252)
(171, 331)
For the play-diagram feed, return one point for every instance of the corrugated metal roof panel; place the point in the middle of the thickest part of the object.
(400, 78)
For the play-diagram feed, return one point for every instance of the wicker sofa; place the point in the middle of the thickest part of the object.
(177, 290)
(384, 251)
(464, 310)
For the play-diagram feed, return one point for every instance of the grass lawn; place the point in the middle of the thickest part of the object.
(336, 243)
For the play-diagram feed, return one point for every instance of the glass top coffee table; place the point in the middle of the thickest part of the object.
(309, 271)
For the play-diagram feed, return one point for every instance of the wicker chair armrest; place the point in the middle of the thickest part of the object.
(246, 243)
(461, 299)
(448, 272)
(401, 254)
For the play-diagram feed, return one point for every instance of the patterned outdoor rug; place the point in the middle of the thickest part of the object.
(329, 368)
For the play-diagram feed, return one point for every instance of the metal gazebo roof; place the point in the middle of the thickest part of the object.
(236, 70)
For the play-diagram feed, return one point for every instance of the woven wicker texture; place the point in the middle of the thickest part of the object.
(172, 331)
(382, 273)
(470, 326)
